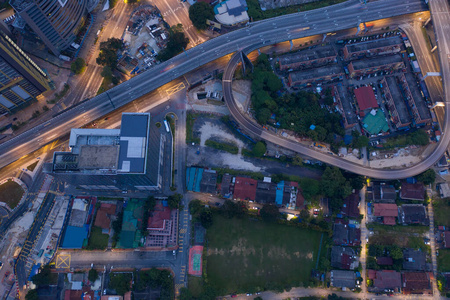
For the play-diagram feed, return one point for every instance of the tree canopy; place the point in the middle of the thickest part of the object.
(78, 66)
(177, 42)
(108, 52)
(206, 217)
(199, 13)
(174, 201)
(295, 112)
(43, 277)
(335, 186)
(231, 209)
(92, 275)
(259, 149)
(269, 212)
(427, 177)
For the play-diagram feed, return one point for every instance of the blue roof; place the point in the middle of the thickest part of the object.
(34, 271)
(279, 193)
(74, 237)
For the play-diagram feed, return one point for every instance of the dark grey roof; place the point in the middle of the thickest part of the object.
(414, 260)
(209, 181)
(343, 278)
(413, 214)
(342, 257)
(134, 125)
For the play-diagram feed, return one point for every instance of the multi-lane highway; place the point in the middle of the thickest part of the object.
(338, 17)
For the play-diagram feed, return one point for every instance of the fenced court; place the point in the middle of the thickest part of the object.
(195, 261)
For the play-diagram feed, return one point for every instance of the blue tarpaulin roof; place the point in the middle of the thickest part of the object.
(34, 271)
(279, 193)
(74, 237)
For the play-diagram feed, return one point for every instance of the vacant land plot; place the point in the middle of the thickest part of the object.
(444, 260)
(195, 285)
(97, 240)
(245, 255)
(441, 210)
(11, 193)
(402, 236)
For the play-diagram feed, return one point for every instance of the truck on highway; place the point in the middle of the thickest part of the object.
(167, 125)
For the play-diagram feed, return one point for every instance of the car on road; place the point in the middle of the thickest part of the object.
(233, 295)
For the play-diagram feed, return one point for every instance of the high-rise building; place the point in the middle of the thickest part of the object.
(21, 80)
(56, 22)
(130, 158)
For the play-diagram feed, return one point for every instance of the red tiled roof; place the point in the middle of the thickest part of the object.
(447, 239)
(412, 191)
(245, 188)
(365, 98)
(389, 220)
(158, 217)
(385, 210)
(385, 261)
(371, 274)
(109, 208)
(350, 206)
(102, 220)
(387, 279)
(415, 282)
(78, 295)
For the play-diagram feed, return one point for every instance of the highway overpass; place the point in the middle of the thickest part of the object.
(341, 16)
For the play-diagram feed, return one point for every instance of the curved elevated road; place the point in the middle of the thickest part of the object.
(441, 18)
(337, 17)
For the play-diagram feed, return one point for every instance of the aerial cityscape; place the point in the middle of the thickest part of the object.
(217, 149)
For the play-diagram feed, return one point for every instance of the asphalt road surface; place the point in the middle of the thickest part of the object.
(340, 16)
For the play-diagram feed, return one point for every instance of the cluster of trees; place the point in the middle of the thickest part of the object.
(201, 213)
(393, 251)
(427, 177)
(43, 278)
(295, 112)
(149, 207)
(154, 279)
(176, 44)
(92, 275)
(337, 186)
(108, 58)
(120, 282)
(174, 201)
(78, 66)
(199, 13)
(116, 225)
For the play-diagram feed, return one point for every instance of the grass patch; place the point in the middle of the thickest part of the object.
(97, 240)
(443, 260)
(106, 85)
(402, 236)
(247, 255)
(32, 166)
(228, 147)
(255, 12)
(222, 171)
(190, 120)
(195, 285)
(418, 137)
(441, 208)
(426, 37)
(11, 193)
(396, 229)
(215, 102)
(59, 95)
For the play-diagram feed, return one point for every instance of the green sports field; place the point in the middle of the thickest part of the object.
(249, 255)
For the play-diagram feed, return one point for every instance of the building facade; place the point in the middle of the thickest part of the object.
(21, 80)
(56, 22)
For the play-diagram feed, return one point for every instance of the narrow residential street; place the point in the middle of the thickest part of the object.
(364, 239)
(436, 294)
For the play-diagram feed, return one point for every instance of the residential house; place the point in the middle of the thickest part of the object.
(413, 214)
(415, 260)
(208, 182)
(385, 261)
(345, 234)
(387, 211)
(245, 188)
(350, 207)
(385, 280)
(343, 258)
(446, 238)
(225, 185)
(412, 191)
(266, 192)
(416, 283)
(381, 192)
(103, 217)
(343, 279)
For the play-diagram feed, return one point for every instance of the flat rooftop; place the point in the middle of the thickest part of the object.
(316, 73)
(345, 100)
(374, 44)
(80, 137)
(307, 55)
(399, 100)
(133, 142)
(98, 157)
(422, 108)
(376, 62)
